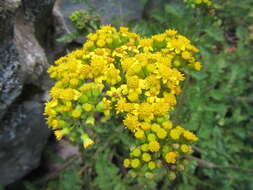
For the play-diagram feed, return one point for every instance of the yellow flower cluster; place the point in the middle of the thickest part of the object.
(120, 73)
(199, 2)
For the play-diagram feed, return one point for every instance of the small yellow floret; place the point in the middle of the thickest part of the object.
(88, 107)
(136, 152)
(151, 137)
(58, 134)
(151, 165)
(135, 163)
(87, 143)
(154, 146)
(139, 134)
(197, 66)
(185, 148)
(171, 157)
(126, 163)
(144, 147)
(161, 134)
(76, 113)
(167, 125)
(146, 157)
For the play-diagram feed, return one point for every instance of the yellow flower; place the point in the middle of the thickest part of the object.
(171, 157)
(185, 148)
(76, 113)
(58, 134)
(144, 147)
(167, 125)
(139, 134)
(118, 74)
(74, 82)
(88, 107)
(154, 146)
(87, 143)
(151, 165)
(131, 122)
(133, 96)
(197, 66)
(186, 55)
(175, 134)
(92, 36)
(145, 126)
(171, 32)
(146, 111)
(146, 157)
(155, 127)
(151, 137)
(133, 82)
(159, 37)
(101, 43)
(135, 163)
(55, 124)
(88, 44)
(109, 41)
(146, 44)
(136, 152)
(190, 136)
(126, 163)
(161, 134)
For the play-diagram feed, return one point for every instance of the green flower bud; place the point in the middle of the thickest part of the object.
(90, 121)
(132, 173)
(149, 175)
(99, 106)
(96, 92)
(63, 124)
(84, 99)
(172, 176)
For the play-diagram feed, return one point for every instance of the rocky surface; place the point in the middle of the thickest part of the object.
(22, 139)
(155, 5)
(23, 63)
(110, 11)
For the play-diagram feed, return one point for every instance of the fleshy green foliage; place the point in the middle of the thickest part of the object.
(217, 102)
(84, 22)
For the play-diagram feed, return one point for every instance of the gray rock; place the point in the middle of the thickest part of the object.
(31, 54)
(10, 81)
(60, 28)
(24, 35)
(116, 12)
(120, 12)
(37, 10)
(7, 19)
(156, 5)
(23, 136)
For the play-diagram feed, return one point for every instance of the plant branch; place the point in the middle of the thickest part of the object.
(56, 173)
(206, 164)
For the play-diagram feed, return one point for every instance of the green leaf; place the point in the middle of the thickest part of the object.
(215, 33)
(70, 179)
(241, 33)
(174, 10)
(107, 173)
(217, 94)
(68, 37)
